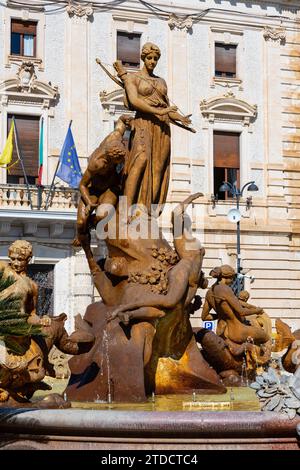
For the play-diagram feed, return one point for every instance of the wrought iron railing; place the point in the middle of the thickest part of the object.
(19, 196)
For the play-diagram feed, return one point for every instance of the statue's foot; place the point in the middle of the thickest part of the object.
(53, 400)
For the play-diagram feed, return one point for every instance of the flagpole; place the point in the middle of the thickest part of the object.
(41, 162)
(48, 200)
(22, 163)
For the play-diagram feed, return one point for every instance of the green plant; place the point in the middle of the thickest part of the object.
(13, 319)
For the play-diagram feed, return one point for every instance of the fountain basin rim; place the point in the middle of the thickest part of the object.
(201, 424)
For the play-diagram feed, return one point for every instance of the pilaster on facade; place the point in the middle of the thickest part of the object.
(83, 285)
(179, 94)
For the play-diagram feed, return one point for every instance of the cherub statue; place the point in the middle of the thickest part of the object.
(262, 320)
(100, 184)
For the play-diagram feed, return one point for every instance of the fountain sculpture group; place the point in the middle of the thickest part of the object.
(138, 340)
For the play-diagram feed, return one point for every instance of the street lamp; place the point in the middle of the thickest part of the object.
(237, 194)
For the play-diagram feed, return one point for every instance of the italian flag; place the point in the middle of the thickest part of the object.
(41, 152)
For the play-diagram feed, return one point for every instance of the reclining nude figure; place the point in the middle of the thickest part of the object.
(183, 279)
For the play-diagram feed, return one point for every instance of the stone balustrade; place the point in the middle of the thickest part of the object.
(18, 196)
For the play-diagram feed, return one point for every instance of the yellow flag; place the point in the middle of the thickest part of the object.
(6, 156)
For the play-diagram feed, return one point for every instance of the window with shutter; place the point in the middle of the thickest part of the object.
(43, 275)
(225, 60)
(128, 49)
(23, 38)
(28, 139)
(226, 160)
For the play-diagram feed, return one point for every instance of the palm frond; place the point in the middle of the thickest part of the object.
(13, 320)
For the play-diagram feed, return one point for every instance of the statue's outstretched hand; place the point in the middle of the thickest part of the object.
(185, 120)
(169, 109)
(119, 313)
(90, 207)
(45, 320)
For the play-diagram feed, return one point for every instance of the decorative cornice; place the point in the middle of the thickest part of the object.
(113, 102)
(79, 10)
(26, 86)
(175, 22)
(274, 34)
(228, 107)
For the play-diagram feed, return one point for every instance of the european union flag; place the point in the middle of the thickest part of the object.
(69, 169)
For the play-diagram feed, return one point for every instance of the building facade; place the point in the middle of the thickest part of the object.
(235, 67)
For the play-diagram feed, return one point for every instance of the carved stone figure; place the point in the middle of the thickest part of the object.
(100, 184)
(287, 340)
(229, 310)
(59, 360)
(144, 339)
(26, 77)
(142, 327)
(147, 169)
(261, 320)
(238, 341)
(26, 339)
(20, 254)
(22, 374)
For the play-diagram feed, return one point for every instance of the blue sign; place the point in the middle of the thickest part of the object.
(209, 325)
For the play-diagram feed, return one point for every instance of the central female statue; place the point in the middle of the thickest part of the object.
(147, 169)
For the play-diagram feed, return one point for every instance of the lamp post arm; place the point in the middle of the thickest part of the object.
(245, 186)
(232, 189)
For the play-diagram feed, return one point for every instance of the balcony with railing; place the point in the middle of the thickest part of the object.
(20, 197)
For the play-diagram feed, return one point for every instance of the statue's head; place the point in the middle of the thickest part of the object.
(116, 152)
(244, 295)
(20, 253)
(225, 272)
(216, 272)
(150, 55)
